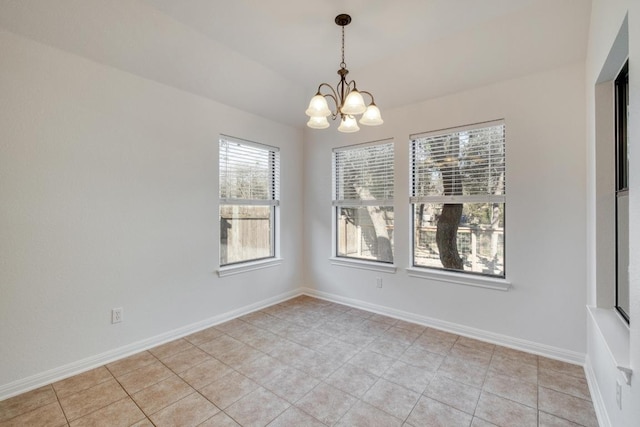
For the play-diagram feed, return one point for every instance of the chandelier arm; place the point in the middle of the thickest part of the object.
(333, 95)
(373, 101)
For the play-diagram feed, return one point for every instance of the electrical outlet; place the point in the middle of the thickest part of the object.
(379, 282)
(619, 394)
(116, 315)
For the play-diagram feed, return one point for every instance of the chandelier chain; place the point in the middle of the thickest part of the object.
(342, 64)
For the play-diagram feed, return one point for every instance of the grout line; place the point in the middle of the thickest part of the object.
(308, 318)
(60, 404)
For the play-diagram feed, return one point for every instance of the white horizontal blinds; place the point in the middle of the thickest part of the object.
(465, 165)
(363, 175)
(249, 173)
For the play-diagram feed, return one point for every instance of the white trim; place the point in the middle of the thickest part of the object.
(460, 278)
(596, 396)
(253, 144)
(363, 264)
(35, 381)
(467, 331)
(463, 128)
(474, 198)
(360, 202)
(250, 202)
(229, 270)
(66, 371)
(363, 145)
(615, 333)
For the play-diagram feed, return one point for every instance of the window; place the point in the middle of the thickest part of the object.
(249, 199)
(363, 201)
(622, 193)
(458, 199)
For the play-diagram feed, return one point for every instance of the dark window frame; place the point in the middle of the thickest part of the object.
(621, 89)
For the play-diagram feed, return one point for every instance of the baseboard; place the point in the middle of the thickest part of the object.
(596, 396)
(71, 369)
(75, 368)
(479, 334)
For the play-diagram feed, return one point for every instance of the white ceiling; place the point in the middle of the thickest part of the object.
(268, 56)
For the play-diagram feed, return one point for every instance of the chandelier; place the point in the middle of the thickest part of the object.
(346, 97)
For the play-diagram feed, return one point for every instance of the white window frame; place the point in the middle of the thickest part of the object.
(346, 261)
(447, 275)
(272, 200)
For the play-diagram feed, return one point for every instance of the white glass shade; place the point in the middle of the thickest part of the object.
(372, 116)
(318, 122)
(348, 125)
(318, 107)
(353, 104)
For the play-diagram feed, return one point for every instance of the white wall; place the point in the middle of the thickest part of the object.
(610, 342)
(545, 126)
(108, 198)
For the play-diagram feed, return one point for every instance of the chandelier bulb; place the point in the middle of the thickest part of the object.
(372, 116)
(318, 122)
(318, 107)
(353, 103)
(348, 125)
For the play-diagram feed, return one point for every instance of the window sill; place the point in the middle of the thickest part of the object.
(460, 278)
(364, 265)
(230, 270)
(615, 333)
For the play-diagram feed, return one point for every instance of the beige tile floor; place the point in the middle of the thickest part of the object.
(308, 362)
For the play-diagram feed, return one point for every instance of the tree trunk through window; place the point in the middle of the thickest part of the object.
(447, 228)
(447, 236)
(383, 251)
